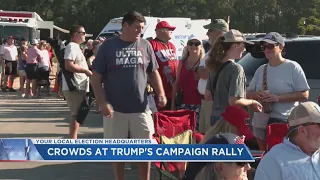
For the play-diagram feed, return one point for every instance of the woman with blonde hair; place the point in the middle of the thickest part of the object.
(186, 83)
(227, 81)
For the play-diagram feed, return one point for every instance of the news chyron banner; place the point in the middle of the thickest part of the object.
(113, 150)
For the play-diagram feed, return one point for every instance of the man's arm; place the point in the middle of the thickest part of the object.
(70, 66)
(69, 58)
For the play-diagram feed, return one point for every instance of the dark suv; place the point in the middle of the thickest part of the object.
(304, 50)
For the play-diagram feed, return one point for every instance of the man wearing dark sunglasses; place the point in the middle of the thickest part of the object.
(298, 156)
(216, 29)
(76, 63)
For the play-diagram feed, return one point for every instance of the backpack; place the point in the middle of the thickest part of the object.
(69, 76)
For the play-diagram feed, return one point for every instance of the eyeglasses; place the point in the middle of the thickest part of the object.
(82, 33)
(194, 43)
(269, 46)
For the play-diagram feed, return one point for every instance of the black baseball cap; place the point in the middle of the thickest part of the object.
(194, 168)
(273, 38)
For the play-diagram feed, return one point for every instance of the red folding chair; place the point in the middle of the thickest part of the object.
(171, 124)
(275, 134)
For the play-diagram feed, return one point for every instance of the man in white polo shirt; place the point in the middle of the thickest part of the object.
(8, 58)
(216, 29)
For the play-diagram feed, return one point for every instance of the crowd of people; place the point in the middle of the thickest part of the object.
(32, 62)
(131, 78)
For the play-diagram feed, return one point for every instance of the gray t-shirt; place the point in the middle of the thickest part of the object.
(288, 77)
(125, 67)
(231, 82)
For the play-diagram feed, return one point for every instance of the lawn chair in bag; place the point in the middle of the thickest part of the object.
(174, 170)
(275, 133)
(175, 127)
(182, 120)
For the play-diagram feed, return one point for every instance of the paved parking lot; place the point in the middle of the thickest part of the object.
(48, 118)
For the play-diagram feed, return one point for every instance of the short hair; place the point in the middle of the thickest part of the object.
(132, 16)
(74, 29)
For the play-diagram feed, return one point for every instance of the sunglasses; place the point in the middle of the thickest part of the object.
(269, 46)
(194, 43)
(82, 33)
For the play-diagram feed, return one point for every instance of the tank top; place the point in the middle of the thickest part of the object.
(22, 63)
(188, 85)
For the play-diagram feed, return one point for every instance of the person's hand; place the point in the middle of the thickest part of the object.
(258, 95)
(106, 110)
(88, 73)
(270, 98)
(162, 101)
(208, 95)
(256, 106)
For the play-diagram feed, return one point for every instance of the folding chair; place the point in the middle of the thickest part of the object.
(275, 134)
(174, 170)
(181, 120)
(174, 125)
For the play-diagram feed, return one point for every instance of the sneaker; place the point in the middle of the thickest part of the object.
(23, 95)
(12, 90)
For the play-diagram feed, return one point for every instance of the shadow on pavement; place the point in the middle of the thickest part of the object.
(70, 171)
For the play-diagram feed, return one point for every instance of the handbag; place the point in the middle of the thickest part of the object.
(179, 94)
(216, 77)
(266, 106)
(83, 111)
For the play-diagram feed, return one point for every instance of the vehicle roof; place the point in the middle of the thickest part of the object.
(294, 39)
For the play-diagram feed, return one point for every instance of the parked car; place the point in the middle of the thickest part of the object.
(304, 50)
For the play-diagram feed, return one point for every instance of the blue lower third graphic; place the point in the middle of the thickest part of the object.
(18, 150)
(25, 150)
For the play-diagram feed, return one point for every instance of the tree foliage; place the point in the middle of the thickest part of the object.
(299, 16)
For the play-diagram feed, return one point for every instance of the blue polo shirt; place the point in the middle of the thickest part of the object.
(286, 161)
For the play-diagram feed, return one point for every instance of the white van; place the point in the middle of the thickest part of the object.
(179, 36)
(197, 28)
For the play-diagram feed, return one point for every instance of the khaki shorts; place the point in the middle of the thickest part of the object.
(74, 100)
(128, 125)
(205, 116)
(22, 73)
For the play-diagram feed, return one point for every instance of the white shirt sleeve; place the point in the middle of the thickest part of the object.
(70, 52)
(299, 79)
(253, 83)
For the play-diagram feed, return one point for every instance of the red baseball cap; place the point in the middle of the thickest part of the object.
(165, 24)
(238, 117)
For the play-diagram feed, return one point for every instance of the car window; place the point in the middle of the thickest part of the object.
(306, 53)
(250, 64)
